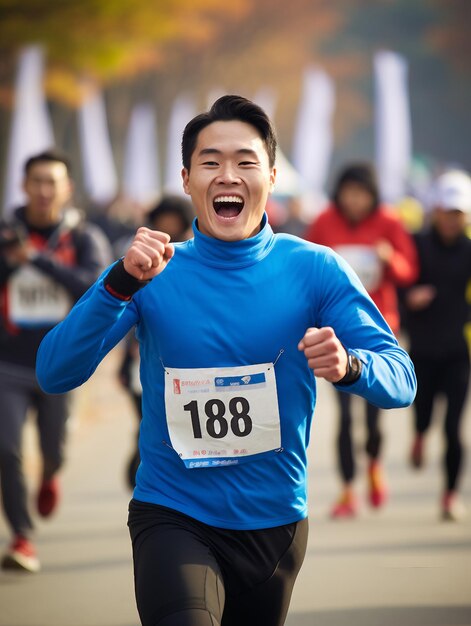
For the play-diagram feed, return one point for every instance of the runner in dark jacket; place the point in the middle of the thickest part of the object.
(436, 314)
(49, 257)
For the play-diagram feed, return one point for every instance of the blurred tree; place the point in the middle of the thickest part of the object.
(104, 40)
(197, 45)
(154, 50)
(450, 34)
(271, 46)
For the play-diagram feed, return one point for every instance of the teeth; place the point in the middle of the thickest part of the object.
(229, 199)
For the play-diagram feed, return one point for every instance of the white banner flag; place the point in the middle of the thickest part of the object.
(31, 130)
(141, 180)
(182, 112)
(101, 182)
(266, 98)
(312, 145)
(393, 125)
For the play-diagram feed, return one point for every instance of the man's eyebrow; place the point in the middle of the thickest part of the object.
(247, 151)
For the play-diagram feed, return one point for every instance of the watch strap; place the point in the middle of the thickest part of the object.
(353, 373)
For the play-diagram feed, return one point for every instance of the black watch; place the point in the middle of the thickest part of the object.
(353, 370)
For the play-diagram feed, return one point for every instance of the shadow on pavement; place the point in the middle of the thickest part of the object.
(428, 547)
(386, 616)
(69, 567)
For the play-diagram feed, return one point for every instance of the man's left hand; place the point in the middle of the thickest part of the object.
(325, 355)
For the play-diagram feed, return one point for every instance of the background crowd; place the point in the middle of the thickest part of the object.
(50, 254)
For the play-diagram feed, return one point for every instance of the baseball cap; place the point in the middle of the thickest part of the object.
(453, 191)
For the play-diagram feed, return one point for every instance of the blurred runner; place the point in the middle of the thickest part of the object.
(436, 313)
(48, 258)
(382, 253)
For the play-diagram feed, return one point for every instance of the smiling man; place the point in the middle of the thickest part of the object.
(234, 325)
(229, 176)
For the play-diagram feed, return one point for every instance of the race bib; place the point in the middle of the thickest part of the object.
(34, 299)
(222, 416)
(365, 263)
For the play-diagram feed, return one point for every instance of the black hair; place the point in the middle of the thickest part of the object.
(362, 174)
(176, 205)
(229, 108)
(48, 156)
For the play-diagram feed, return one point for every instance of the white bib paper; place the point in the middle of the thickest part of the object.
(222, 416)
(34, 299)
(365, 262)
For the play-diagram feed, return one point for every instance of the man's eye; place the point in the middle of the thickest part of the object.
(247, 163)
(211, 163)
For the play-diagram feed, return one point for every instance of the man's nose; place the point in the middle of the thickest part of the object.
(228, 176)
(46, 189)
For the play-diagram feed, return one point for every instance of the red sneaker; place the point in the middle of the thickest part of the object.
(345, 507)
(417, 452)
(21, 556)
(48, 497)
(378, 492)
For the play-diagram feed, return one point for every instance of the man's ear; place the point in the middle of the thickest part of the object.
(71, 188)
(186, 181)
(272, 179)
(24, 184)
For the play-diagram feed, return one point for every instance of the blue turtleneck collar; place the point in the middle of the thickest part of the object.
(233, 254)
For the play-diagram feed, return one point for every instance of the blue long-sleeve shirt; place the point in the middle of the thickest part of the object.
(223, 305)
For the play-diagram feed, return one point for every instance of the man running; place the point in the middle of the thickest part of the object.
(436, 312)
(233, 327)
(49, 257)
(371, 238)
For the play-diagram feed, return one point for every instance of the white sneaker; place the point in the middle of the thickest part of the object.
(21, 556)
(453, 510)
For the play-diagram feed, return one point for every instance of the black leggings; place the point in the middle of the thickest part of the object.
(187, 573)
(450, 377)
(346, 457)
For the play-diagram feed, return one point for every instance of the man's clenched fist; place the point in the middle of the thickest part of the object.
(148, 254)
(325, 355)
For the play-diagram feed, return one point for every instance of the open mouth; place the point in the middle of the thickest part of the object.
(228, 206)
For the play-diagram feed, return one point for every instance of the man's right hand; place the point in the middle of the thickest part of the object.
(148, 254)
(18, 254)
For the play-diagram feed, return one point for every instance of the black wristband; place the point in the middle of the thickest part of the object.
(353, 373)
(121, 284)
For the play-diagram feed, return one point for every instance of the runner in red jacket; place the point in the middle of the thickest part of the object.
(372, 239)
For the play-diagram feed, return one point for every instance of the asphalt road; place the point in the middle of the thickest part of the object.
(400, 566)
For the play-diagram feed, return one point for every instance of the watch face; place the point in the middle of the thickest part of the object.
(355, 365)
(354, 369)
